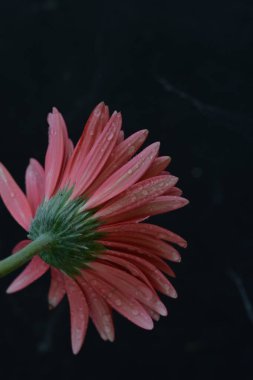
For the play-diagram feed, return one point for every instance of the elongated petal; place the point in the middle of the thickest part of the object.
(159, 164)
(34, 270)
(128, 285)
(158, 280)
(160, 205)
(153, 314)
(98, 155)
(35, 184)
(100, 311)
(146, 229)
(126, 306)
(174, 191)
(130, 259)
(119, 156)
(132, 244)
(22, 244)
(124, 177)
(14, 199)
(137, 195)
(92, 129)
(57, 288)
(55, 155)
(126, 265)
(79, 313)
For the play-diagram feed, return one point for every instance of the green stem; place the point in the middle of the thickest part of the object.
(15, 261)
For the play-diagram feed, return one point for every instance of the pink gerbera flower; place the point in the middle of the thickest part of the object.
(84, 213)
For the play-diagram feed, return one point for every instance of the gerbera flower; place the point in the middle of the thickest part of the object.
(84, 212)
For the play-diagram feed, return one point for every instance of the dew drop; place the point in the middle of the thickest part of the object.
(118, 302)
(110, 137)
(130, 171)
(12, 195)
(135, 312)
(97, 112)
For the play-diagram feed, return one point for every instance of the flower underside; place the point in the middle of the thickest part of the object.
(74, 237)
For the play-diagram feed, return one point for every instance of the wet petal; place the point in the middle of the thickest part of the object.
(124, 177)
(79, 313)
(100, 311)
(119, 156)
(160, 205)
(159, 164)
(14, 199)
(137, 195)
(94, 162)
(33, 271)
(55, 156)
(57, 288)
(126, 306)
(35, 184)
(92, 129)
(146, 229)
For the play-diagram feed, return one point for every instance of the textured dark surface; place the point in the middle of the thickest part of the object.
(184, 71)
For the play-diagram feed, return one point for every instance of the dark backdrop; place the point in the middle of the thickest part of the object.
(182, 69)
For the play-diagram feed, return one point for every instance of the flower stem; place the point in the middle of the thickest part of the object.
(16, 260)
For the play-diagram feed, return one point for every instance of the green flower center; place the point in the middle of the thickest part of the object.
(74, 236)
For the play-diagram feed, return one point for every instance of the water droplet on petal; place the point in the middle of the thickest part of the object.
(118, 302)
(110, 137)
(135, 312)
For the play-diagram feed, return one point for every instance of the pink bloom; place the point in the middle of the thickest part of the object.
(119, 189)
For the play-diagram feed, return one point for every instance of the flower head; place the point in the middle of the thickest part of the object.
(92, 201)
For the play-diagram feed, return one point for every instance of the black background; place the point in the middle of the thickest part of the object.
(182, 69)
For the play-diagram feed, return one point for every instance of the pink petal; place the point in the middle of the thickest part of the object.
(159, 164)
(128, 285)
(100, 311)
(79, 313)
(33, 271)
(153, 314)
(160, 205)
(137, 195)
(137, 260)
(70, 148)
(120, 137)
(22, 244)
(174, 191)
(124, 177)
(146, 229)
(119, 156)
(55, 156)
(14, 199)
(134, 243)
(126, 306)
(35, 184)
(57, 288)
(126, 265)
(158, 280)
(94, 162)
(92, 129)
